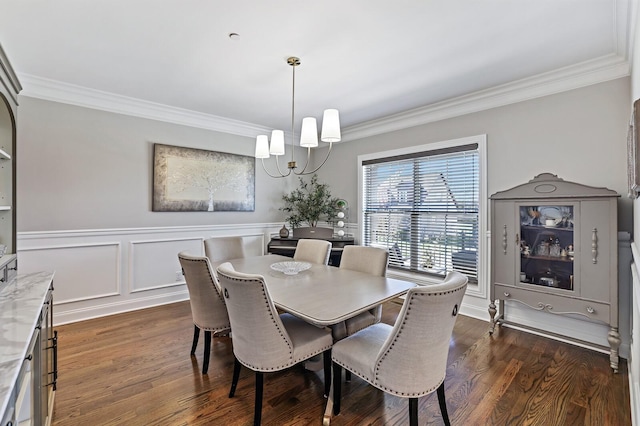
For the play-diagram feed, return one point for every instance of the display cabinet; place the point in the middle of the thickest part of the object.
(9, 89)
(554, 249)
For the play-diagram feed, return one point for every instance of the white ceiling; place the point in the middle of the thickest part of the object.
(368, 58)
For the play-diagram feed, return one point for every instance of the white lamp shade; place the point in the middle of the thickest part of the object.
(277, 142)
(262, 146)
(331, 126)
(309, 133)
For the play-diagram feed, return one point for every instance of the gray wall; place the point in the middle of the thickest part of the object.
(580, 135)
(81, 168)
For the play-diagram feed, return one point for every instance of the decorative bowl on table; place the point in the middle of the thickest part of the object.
(290, 267)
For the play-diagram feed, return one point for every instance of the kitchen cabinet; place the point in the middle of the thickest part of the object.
(28, 360)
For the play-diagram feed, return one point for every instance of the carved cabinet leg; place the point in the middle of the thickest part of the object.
(492, 314)
(614, 342)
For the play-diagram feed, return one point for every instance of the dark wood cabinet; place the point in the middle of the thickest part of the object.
(287, 246)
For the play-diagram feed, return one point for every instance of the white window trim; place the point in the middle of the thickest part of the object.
(481, 289)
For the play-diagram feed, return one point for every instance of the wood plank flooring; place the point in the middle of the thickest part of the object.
(135, 369)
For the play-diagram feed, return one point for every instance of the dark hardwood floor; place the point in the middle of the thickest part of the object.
(135, 369)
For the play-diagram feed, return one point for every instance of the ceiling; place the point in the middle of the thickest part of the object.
(376, 61)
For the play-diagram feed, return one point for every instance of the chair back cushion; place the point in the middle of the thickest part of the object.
(260, 340)
(220, 249)
(370, 260)
(413, 360)
(207, 305)
(314, 251)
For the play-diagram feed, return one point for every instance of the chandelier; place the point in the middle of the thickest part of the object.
(308, 136)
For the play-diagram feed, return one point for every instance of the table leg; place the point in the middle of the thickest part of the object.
(328, 412)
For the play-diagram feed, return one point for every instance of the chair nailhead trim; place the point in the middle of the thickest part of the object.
(213, 279)
(377, 369)
(292, 361)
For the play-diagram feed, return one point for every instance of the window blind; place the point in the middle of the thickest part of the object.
(424, 208)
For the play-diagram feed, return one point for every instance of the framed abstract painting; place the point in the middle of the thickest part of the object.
(196, 180)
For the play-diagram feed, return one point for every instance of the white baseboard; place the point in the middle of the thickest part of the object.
(106, 309)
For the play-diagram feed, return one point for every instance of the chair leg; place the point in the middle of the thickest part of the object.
(337, 388)
(257, 414)
(196, 336)
(207, 351)
(236, 373)
(326, 356)
(413, 411)
(443, 405)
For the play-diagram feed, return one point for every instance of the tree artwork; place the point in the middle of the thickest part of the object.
(187, 179)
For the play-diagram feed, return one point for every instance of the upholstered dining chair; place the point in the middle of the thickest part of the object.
(313, 251)
(264, 341)
(370, 260)
(220, 249)
(408, 359)
(208, 310)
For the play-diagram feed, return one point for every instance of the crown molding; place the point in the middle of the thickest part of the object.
(10, 80)
(595, 71)
(56, 91)
(572, 77)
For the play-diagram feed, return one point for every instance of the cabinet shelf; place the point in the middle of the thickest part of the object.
(547, 228)
(548, 258)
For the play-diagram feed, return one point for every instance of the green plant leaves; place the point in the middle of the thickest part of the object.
(309, 203)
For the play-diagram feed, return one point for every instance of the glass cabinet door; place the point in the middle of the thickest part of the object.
(547, 245)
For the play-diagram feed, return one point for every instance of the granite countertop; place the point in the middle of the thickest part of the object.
(20, 303)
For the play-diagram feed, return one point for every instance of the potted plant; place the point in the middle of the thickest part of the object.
(306, 205)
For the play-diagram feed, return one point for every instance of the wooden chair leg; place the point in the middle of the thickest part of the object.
(337, 388)
(207, 351)
(236, 373)
(413, 411)
(196, 336)
(326, 357)
(443, 405)
(257, 414)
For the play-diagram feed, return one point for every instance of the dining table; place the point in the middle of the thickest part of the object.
(321, 295)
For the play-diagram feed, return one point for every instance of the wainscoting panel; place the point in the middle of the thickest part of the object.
(94, 267)
(154, 263)
(107, 271)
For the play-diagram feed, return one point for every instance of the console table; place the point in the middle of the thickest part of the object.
(287, 246)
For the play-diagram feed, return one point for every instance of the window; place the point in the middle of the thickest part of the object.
(424, 206)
